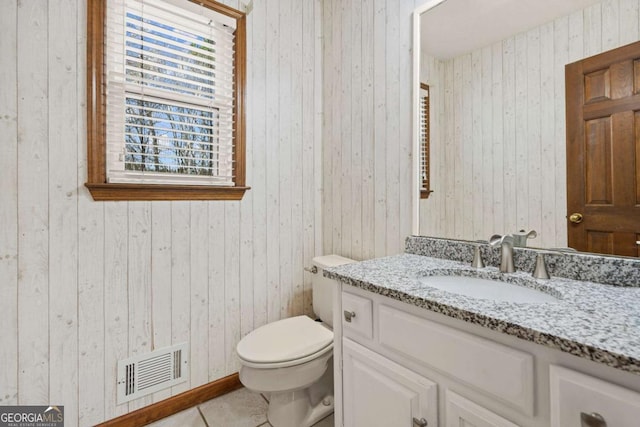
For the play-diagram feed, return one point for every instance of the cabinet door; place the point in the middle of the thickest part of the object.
(380, 393)
(573, 394)
(463, 412)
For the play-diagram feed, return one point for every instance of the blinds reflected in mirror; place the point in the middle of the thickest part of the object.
(425, 188)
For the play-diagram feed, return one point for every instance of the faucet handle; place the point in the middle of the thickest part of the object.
(540, 271)
(477, 258)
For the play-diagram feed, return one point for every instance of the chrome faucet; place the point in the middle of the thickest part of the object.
(506, 249)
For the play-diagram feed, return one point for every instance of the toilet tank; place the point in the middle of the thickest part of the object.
(322, 287)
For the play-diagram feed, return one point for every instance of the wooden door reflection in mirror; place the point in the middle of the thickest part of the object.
(603, 152)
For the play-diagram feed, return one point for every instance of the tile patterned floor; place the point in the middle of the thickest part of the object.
(240, 408)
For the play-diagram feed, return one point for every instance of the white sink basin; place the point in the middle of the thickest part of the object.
(487, 289)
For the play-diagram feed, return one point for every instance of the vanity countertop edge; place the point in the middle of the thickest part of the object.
(590, 320)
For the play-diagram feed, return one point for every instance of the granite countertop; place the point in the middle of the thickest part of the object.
(590, 320)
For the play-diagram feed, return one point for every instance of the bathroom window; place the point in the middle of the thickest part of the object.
(166, 85)
(425, 188)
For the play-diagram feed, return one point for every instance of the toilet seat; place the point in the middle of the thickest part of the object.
(287, 342)
(288, 363)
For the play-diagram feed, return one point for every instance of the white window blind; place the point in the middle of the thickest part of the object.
(170, 93)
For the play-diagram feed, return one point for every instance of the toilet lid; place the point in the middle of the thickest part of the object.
(284, 340)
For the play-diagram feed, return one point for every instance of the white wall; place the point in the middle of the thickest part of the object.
(84, 283)
(499, 163)
(367, 126)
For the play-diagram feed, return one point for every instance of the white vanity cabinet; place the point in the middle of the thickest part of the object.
(405, 366)
(380, 389)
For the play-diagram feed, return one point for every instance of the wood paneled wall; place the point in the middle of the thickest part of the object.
(498, 159)
(84, 283)
(366, 130)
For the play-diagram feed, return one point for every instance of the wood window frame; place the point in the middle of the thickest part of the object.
(97, 183)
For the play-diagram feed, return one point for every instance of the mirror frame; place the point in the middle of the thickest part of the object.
(415, 113)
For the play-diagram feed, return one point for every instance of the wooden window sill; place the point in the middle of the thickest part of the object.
(146, 192)
(424, 194)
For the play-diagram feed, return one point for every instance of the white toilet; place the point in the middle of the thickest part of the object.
(291, 359)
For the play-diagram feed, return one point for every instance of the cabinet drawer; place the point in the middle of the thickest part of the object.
(357, 316)
(573, 393)
(495, 369)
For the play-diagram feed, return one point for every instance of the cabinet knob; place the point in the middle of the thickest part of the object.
(348, 315)
(419, 422)
(592, 420)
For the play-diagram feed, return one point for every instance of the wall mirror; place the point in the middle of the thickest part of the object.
(496, 77)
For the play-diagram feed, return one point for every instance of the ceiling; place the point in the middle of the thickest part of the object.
(459, 26)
